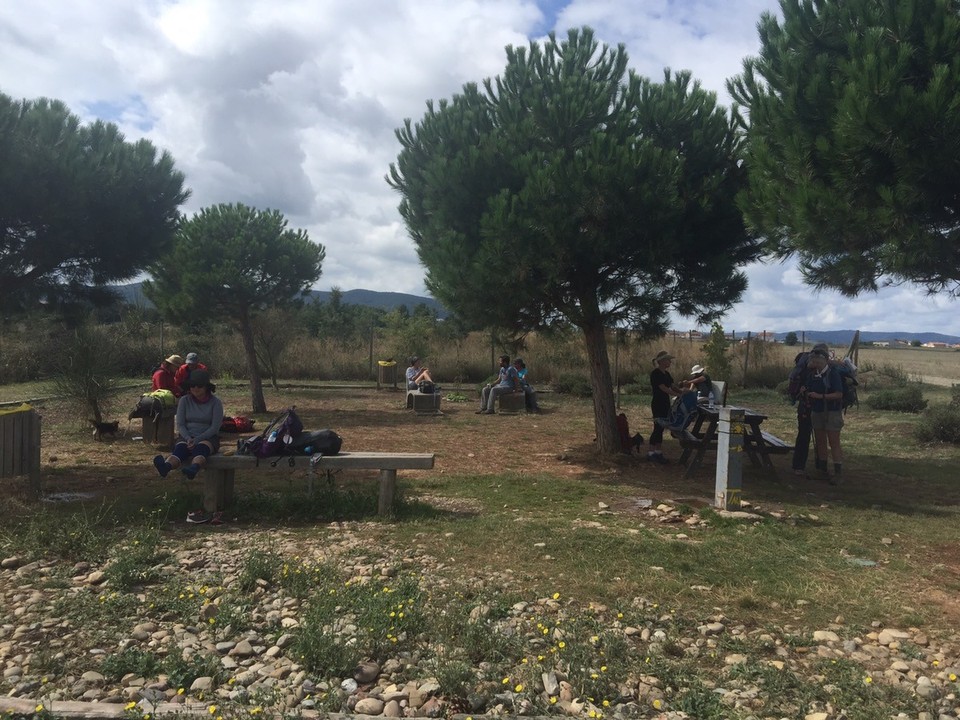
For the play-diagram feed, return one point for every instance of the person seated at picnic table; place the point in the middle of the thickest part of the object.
(199, 416)
(190, 363)
(508, 381)
(700, 382)
(530, 395)
(416, 373)
(165, 378)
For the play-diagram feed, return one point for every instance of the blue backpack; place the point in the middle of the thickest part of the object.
(682, 413)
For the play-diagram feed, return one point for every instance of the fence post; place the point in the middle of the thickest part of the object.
(729, 481)
(20, 445)
(746, 359)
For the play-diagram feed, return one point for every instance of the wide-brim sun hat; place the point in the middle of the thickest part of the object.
(198, 378)
(662, 355)
(174, 360)
(697, 369)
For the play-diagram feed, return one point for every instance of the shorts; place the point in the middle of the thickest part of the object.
(214, 442)
(831, 420)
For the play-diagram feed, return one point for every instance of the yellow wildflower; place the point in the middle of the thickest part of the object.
(212, 709)
(518, 688)
(657, 704)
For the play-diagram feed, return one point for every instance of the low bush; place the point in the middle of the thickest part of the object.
(907, 398)
(573, 384)
(940, 423)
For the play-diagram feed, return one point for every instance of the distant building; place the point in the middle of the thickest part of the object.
(935, 344)
(881, 343)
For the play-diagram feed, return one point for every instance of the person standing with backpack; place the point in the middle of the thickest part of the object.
(664, 388)
(796, 389)
(824, 391)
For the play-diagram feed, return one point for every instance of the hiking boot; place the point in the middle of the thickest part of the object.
(198, 517)
(190, 471)
(162, 466)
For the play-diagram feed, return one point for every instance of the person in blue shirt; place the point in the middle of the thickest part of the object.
(508, 381)
(530, 394)
(824, 391)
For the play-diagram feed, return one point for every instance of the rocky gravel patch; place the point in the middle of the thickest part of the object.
(61, 626)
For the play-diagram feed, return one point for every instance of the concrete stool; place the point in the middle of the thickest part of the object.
(512, 403)
(160, 433)
(423, 403)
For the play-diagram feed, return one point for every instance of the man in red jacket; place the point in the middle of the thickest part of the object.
(191, 363)
(165, 378)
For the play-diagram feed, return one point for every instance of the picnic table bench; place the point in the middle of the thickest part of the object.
(219, 475)
(757, 443)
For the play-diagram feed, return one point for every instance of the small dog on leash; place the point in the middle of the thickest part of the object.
(104, 428)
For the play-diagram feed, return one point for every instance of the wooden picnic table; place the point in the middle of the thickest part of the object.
(758, 445)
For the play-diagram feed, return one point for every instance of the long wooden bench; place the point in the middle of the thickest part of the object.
(220, 473)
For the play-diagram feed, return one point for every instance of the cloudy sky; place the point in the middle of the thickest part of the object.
(292, 104)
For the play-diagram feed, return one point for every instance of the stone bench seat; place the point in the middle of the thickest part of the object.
(219, 475)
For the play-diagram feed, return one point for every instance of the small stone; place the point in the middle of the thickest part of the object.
(369, 706)
(366, 672)
(735, 659)
(349, 686)
(825, 636)
(202, 684)
(95, 578)
(10, 563)
(391, 709)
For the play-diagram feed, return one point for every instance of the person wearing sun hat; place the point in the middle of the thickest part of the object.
(199, 416)
(664, 388)
(165, 378)
(700, 381)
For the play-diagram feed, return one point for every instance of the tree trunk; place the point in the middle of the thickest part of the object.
(256, 384)
(604, 410)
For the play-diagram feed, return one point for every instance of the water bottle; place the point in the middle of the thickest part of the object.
(308, 450)
(273, 437)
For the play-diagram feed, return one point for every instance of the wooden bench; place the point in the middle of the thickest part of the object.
(775, 445)
(423, 403)
(220, 472)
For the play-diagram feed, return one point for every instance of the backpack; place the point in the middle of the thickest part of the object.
(275, 437)
(623, 428)
(682, 412)
(848, 379)
(426, 387)
(848, 376)
(153, 404)
(316, 442)
(627, 441)
(237, 424)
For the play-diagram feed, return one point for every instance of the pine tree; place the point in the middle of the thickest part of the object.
(571, 190)
(854, 140)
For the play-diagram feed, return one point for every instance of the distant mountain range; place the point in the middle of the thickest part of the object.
(844, 337)
(132, 293)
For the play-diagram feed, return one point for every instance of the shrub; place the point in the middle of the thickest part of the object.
(940, 423)
(766, 376)
(908, 398)
(573, 384)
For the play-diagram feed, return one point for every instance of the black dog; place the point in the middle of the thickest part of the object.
(105, 428)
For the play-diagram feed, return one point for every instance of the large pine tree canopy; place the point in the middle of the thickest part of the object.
(569, 188)
(79, 205)
(852, 111)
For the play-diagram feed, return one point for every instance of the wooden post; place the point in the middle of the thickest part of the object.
(729, 480)
(746, 359)
(388, 486)
(616, 363)
(803, 341)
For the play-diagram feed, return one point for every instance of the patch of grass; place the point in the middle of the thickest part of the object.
(380, 619)
(137, 562)
(259, 565)
(907, 399)
(84, 534)
(183, 671)
(130, 660)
